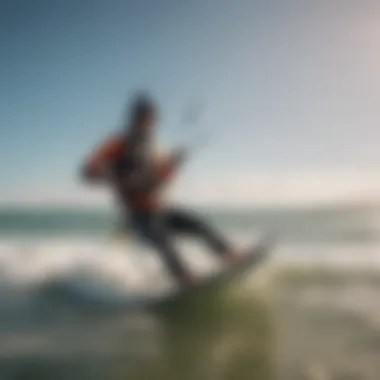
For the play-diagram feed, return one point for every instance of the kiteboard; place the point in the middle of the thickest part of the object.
(252, 257)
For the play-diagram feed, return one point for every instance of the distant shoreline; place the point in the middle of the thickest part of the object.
(69, 208)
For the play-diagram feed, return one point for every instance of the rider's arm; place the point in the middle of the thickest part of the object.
(96, 165)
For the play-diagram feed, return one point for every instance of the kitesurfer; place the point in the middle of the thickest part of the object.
(127, 161)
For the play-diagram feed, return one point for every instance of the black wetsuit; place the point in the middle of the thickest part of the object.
(159, 227)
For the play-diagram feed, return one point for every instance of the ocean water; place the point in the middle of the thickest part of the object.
(69, 280)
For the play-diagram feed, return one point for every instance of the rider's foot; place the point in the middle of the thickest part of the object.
(189, 281)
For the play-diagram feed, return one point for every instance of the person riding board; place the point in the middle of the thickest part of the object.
(125, 161)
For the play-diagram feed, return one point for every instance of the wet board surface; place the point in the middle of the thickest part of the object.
(254, 256)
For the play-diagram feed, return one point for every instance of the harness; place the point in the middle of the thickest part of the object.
(136, 159)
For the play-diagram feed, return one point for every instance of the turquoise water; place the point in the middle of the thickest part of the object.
(319, 224)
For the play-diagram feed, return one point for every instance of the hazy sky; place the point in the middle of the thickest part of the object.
(290, 88)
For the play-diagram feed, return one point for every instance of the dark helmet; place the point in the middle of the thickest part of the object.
(142, 106)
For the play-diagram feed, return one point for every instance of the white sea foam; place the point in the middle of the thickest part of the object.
(96, 266)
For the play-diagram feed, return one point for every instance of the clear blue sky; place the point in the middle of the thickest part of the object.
(287, 85)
